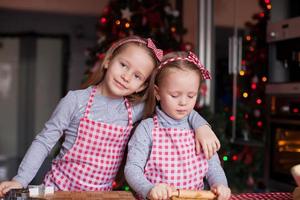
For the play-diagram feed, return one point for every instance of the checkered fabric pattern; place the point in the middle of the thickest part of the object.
(263, 196)
(93, 161)
(173, 159)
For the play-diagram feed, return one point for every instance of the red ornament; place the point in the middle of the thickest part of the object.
(258, 101)
(103, 20)
(234, 157)
(259, 124)
(261, 14)
(114, 184)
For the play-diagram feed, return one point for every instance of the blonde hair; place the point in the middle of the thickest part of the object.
(159, 74)
(116, 48)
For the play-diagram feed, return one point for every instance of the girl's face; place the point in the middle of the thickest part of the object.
(177, 92)
(127, 72)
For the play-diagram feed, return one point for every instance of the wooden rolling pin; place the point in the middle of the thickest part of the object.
(193, 194)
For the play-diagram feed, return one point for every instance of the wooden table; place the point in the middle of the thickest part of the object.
(90, 195)
(128, 196)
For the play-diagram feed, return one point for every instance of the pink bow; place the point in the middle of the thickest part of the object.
(158, 52)
(194, 59)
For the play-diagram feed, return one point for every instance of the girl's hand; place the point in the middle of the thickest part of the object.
(221, 191)
(208, 140)
(5, 186)
(161, 191)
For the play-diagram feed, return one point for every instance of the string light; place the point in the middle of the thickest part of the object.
(261, 14)
(264, 79)
(231, 118)
(103, 20)
(242, 72)
(243, 62)
(295, 110)
(173, 29)
(259, 123)
(225, 158)
(269, 6)
(245, 94)
(114, 184)
(258, 101)
(253, 86)
(234, 157)
(118, 22)
(248, 37)
(127, 25)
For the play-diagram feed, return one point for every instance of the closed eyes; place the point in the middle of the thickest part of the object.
(123, 64)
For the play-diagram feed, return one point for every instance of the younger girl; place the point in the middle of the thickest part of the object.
(161, 153)
(96, 123)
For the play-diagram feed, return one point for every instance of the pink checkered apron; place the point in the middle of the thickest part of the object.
(93, 161)
(173, 159)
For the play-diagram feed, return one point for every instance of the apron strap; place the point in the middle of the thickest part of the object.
(90, 101)
(155, 120)
(129, 109)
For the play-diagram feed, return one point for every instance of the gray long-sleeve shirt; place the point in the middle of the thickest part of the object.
(65, 120)
(139, 149)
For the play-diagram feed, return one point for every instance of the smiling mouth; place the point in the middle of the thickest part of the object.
(120, 85)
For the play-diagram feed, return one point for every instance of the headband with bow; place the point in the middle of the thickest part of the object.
(190, 58)
(157, 52)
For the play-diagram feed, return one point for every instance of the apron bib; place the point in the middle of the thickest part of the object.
(173, 159)
(93, 161)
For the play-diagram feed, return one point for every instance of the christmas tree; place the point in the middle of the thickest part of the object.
(243, 158)
(253, 75)
(156, 19)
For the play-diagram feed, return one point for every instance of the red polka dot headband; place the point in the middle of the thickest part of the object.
(190, 58)
(149, 43)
